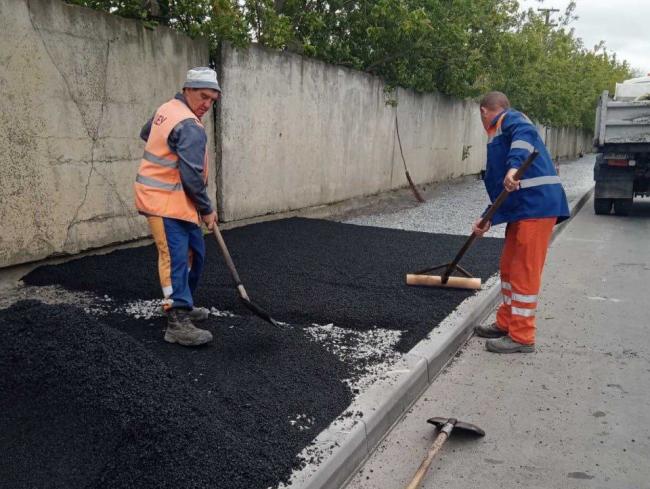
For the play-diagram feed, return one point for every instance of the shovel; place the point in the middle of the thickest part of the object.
(243, 295)
(445, 427)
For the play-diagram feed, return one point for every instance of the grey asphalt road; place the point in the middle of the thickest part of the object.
(574, 414)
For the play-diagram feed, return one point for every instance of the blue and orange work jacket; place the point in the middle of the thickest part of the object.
(511, 139)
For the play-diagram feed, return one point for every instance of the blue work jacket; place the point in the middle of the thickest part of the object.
(511, 138)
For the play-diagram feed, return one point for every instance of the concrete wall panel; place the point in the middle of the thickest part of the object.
(296, 133)
(441, 137)
(77, 85)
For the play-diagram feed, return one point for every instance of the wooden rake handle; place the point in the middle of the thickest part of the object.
(488, 216)
(504, 193)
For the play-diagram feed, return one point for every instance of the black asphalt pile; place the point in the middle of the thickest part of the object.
(88, 405)
(304, 271)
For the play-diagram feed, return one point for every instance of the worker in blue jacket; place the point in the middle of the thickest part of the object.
(535, 204)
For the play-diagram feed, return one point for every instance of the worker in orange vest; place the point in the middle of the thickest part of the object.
(536, 203)
(171, 191)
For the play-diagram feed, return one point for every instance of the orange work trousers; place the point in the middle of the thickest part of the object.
(522, 263)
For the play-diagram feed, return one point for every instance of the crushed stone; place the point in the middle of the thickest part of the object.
(370, 353)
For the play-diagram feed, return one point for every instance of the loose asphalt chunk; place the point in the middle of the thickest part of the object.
(303, 271)
(93, 402)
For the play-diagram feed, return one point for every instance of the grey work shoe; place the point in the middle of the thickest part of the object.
(489, 331)
(199, 314)
(181, 330)
(506, 344)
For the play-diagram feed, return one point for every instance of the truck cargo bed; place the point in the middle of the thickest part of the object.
(622, 122)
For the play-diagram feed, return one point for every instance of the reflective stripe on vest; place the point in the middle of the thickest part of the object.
(152, 182)
(159, 161)
(158, 187)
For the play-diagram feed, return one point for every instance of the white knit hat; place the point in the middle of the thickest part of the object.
(202, 77)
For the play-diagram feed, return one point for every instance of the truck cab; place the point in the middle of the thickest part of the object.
(622, 141)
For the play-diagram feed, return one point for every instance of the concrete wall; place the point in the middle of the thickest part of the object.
(76, 86)
(296, 132)
(567, 142)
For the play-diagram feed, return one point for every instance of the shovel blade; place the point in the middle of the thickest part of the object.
(459, 425)
(258, 311)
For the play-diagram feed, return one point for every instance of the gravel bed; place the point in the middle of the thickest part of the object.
(452, 206)
(577, 176)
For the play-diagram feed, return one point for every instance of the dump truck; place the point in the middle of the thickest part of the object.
(622, 141)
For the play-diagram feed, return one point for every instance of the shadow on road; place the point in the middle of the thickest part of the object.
(641, 208)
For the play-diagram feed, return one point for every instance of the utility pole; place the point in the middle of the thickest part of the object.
(548, 12)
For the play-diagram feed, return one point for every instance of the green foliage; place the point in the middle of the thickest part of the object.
(549, 74)
(457, 47)
(126, 8)
(215, 20)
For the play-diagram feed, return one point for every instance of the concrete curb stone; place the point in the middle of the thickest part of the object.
(349, 440)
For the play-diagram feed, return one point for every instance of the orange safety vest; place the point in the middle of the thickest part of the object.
(158, 187)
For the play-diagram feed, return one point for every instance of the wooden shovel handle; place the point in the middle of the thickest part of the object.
(226, 256)
(426, 463)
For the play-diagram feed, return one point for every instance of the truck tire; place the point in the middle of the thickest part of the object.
(622, 207)
(602, 206)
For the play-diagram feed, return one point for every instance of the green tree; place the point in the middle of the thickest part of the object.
(549, 74)
(457, 47)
